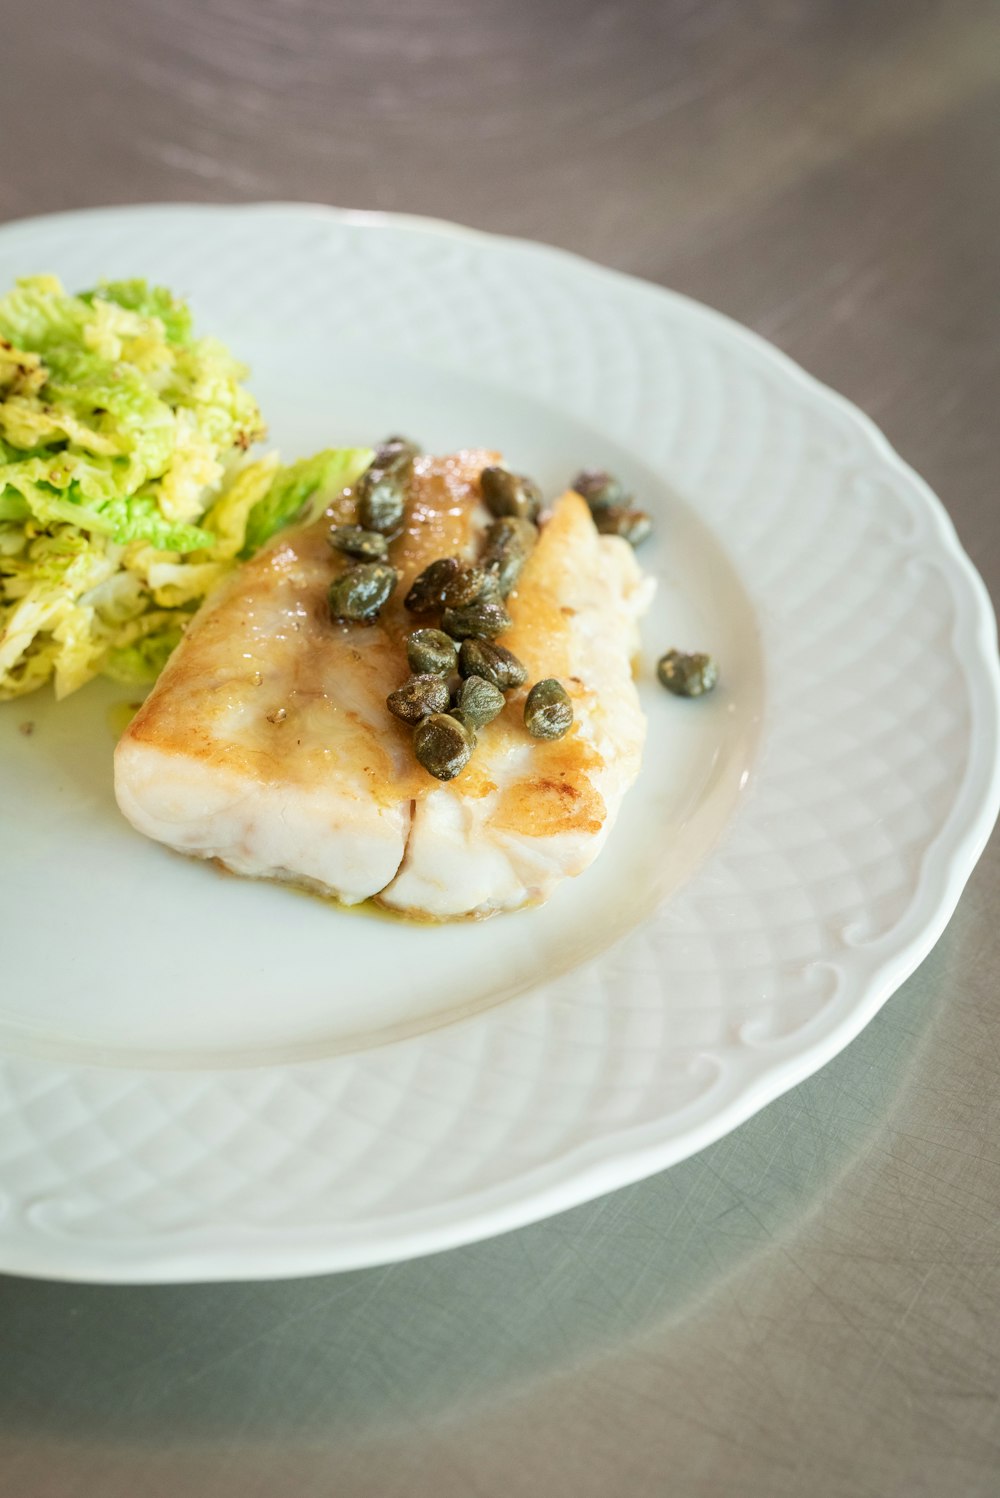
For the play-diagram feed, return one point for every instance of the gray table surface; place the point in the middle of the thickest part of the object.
(813, 1304)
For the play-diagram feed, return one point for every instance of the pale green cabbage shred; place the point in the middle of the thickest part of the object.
(126, 486)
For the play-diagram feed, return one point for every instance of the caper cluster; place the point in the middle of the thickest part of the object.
(361, 591)
(454, 691)
(612, 507)
(460, 674)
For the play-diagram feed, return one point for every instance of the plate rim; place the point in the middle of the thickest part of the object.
(585, 1171)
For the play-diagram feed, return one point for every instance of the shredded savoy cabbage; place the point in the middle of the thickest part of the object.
(127, 488)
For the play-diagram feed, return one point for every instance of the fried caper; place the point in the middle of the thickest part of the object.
(469, 586)
(431, 652)
(599, 488)
(494, 663)
(381, 495)
(395, 450)
(506, 493)
(417, 698)
(687, 675)
(509, 541)
(361, 591)
(369, 546)
(632, 525)
(483, 620)
(443, 745)
(548, 712)
(426, 590)
(480, 700)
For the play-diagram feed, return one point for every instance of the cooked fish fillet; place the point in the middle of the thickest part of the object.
(267, 745)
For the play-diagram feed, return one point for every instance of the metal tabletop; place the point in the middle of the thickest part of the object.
(813, 1304)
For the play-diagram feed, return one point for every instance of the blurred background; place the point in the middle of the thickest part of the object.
(812, 1304)
(806, 165)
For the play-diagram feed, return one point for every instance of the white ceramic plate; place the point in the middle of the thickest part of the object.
(203, 1078)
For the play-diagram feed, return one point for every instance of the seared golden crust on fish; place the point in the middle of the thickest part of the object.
(267, 745)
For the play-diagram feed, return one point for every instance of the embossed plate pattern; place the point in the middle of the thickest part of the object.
(861, 721)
